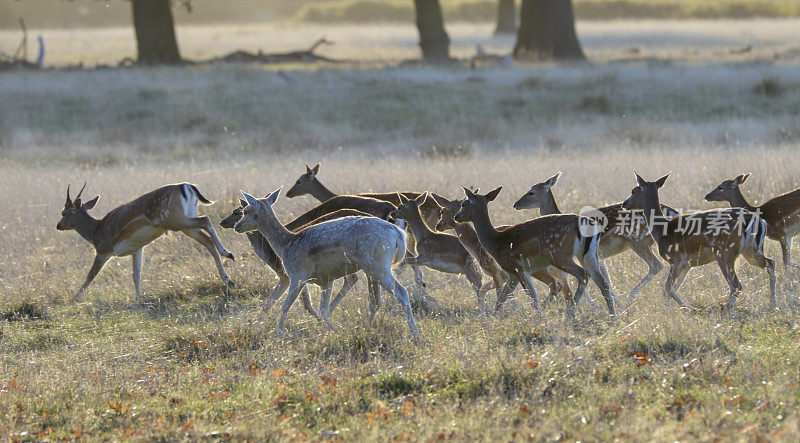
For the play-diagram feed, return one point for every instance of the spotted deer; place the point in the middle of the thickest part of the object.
(617, 237)
(330, 250)
(782, 213)
(550, 240)
(439, 251)
(469, 239)
(688, 241)
(324, 212)
(127, 229)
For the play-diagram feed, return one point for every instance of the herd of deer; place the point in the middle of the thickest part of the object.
(367, 232)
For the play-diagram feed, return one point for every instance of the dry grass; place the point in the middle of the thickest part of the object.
(185, 364)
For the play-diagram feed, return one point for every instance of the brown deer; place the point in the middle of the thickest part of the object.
(439, 251)
(127, 229)
(781, 213)
(469, 239)
(691, 240)
(616, 238)
(550, 240)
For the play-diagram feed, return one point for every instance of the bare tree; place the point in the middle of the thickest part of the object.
(506, 17)
(155, 32)
(547, 31)
(433, 39)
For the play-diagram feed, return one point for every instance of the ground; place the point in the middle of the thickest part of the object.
(187, 362)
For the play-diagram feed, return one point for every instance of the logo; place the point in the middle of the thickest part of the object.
(592, 221)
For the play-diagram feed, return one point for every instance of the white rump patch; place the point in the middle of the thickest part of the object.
(189, 203)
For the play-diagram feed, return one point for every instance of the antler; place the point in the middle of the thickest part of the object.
(81, 191)
(69, 200)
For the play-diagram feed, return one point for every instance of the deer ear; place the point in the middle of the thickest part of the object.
(242, 203)
(315, 169)
(90, 204)
(639, 180)
(742, 178)
(252, 201)
(468, 193)
(552, 180)
(421, 199)
(272, 198)
(403, 199)
(441, 201)
(308, 170)
(493, 194)
(660, 181)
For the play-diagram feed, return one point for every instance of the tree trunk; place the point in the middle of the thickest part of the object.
(433, 39)
(155, 32)
(506, 17)
(547, 31)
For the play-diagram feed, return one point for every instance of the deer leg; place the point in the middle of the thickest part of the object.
(374, 298)
(757, 258)
(510, 285)
(474, 276)
(597, 271)
(209, 227)
(97, 265)
(295, 286)
(677, 273)
(524, 276)
(206, 241)
(390, 283)
(347, 284)
(642, 249)
(726, 265)
(137, 272)
(324, 303)
(580, 274)
(546, 278)
(283, 283)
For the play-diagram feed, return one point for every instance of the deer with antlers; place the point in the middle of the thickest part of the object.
(615, 239)
(550, 240)
(781, 213)
(692, 240)
(127, 229)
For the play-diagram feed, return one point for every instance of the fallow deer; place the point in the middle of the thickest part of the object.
(692, 240)
(330, 250)
(439, 251)
(469, 239)
(550, 240)
(781, 213)
(308, 184)
(617, 237)
(324, 212)
(127, 229)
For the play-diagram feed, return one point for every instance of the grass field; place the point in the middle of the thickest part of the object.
(185, 363)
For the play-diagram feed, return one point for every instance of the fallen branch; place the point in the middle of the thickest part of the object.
(306, 56)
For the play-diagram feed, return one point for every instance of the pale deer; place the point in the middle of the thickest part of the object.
(272, 259)
(127, 229)
(550, 240)
(618, 235)
(439, 251)
(309, 184)
(469, 239)
(692, 240)
(330, 250)
(781, 213)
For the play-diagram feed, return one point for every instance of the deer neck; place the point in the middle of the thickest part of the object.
(654, 216)
(487, 234)
(549, 205)
(320, 192)
(273, 230)
(738, 201)
(87, 228)
(418, 226)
